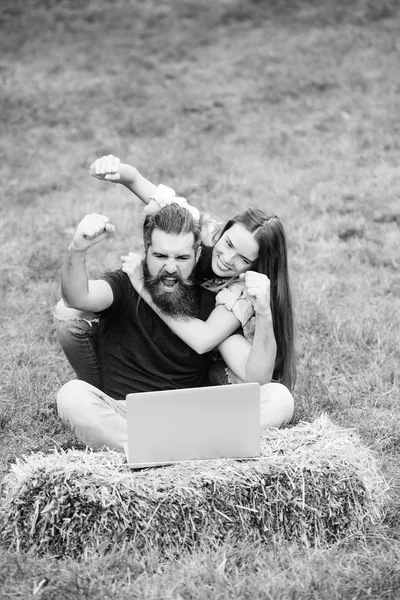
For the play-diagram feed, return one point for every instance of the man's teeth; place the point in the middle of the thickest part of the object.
(169, 282)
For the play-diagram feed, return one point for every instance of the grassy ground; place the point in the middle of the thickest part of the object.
(288, 105)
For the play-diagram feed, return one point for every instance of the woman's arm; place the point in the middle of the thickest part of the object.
(261, 360)
(255, 361)
(251, 362)
(201, 336)
(109, 168)
(235, 351)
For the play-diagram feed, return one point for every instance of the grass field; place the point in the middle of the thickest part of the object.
(289, 105)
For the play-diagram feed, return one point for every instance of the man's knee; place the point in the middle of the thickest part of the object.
(277, 405)
(71, 398)
(95, 418)
(286, 401)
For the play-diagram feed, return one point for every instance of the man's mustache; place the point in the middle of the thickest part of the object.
(182, 301)
(163, 274)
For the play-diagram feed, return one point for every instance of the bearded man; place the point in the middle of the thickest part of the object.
(114, 341)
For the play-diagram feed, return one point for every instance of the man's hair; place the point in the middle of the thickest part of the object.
(174, 220)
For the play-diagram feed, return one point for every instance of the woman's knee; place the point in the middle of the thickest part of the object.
(64, 313)
(70, 323)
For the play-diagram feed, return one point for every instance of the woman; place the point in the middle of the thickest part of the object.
(250, 250)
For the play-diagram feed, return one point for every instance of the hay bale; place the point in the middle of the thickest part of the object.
(314, 483)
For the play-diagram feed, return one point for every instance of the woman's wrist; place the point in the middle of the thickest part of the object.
(128, 175)
(264, 315)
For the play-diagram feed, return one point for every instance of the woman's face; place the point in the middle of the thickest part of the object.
(235, 252)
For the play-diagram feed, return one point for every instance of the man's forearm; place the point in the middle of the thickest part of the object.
(74, 280)
(261, 361)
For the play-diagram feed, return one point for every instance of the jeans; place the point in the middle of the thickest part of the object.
(95, 418)
(78, 339)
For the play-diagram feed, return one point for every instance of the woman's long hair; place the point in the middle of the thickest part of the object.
(272, 261)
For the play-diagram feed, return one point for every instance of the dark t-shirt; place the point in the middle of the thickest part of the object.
(137, 350)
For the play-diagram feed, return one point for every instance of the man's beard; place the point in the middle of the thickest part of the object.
(181, 302)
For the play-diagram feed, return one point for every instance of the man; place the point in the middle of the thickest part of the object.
(136, 351)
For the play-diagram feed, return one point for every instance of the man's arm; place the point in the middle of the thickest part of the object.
(110, 168)
(77, 290)
(256, 361)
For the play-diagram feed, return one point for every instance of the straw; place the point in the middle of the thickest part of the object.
(314, 483)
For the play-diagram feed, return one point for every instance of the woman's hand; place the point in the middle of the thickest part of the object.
(106, 168)
(132, 266)
(258, 290)
(110, 168)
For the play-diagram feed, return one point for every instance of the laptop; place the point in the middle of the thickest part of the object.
(203, 423)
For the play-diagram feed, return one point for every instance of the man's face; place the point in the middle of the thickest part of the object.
(168, 273)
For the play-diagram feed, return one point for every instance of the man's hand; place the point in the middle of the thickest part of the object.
(90, 231)
(258, 290)
(132, 266)
(106, 168)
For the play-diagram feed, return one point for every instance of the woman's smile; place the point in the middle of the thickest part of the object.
(222, 265)
(235, 252)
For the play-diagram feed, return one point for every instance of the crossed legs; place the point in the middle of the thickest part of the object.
(99, 420)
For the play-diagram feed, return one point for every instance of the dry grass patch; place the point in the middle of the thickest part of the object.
(314, 484)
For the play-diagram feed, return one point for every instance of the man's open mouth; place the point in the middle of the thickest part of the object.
(169, 283)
